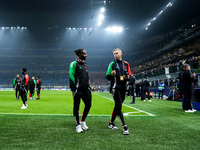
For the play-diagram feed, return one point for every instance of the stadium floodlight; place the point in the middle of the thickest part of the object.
(80, 28)
(74, 28)
(149, 24)
(99, 23)
(103, 9)
(7, 27)
(85, 28)
(146, 28)
(154, 18)
(3, 28)
(108, 29)
(160, 12)
(69, 28)
(114, 29)
(170, 4)
(101, 17)
(18, 27)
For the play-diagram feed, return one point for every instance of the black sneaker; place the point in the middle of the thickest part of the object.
(125, 130)
(112, 126)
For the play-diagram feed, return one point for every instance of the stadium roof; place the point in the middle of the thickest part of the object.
(133, 14)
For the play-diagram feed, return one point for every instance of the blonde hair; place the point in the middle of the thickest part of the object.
(117, 49)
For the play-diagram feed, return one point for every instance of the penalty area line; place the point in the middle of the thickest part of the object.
(149, 114)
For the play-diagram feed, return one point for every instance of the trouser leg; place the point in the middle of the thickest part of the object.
(87, 99)
(76, 98)
(118, 98)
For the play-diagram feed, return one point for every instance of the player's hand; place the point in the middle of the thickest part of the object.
(113, 73)
(14, 88)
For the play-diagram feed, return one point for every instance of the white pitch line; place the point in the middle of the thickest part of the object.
(128, 106)
(32, 114)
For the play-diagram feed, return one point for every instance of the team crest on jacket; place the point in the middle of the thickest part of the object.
(125, 68)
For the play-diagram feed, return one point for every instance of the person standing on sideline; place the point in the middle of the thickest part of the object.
(80, 87)
(146, 89)
(161, 89)
(17, 86)
(137, 89)
(119, 71)
(187, 79)
(38, 86)
(142, 91)
(132, 87)
(31, 88)
(24, 89)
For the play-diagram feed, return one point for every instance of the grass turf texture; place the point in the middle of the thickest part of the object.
(170, 128)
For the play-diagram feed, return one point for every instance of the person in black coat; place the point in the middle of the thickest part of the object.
(187, 78)
(180, 82)
(146, 89)
(142, 91)
(137, 89)
(132, 88)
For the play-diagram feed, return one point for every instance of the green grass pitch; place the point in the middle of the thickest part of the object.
(48, 124)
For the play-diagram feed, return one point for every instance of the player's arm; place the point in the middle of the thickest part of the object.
(110, 72)
(129, 70)
(72, 71)
(26, 79)
(14, 83)
(128, 73)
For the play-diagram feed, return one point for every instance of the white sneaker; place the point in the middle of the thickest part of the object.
(150, 100)
(30, 98)
(189, 111)
(24, 107)
(194, 110)
(79, 129)
(83, 125)
(112, 126)
(125, 130)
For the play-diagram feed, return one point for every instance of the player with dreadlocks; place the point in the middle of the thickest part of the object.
(80, 87)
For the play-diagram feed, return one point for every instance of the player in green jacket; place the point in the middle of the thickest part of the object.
(80, 87)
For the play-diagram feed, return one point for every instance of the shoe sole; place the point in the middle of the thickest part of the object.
(112, 128)
(85, 129)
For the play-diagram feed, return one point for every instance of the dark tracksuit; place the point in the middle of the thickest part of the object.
(146, 89)
(119, 87)
(17, 85)
(187, 87)
(24, 89)
(38, 86)
(137, 90)
(31, 87)
(132, 84)
(80, 87)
